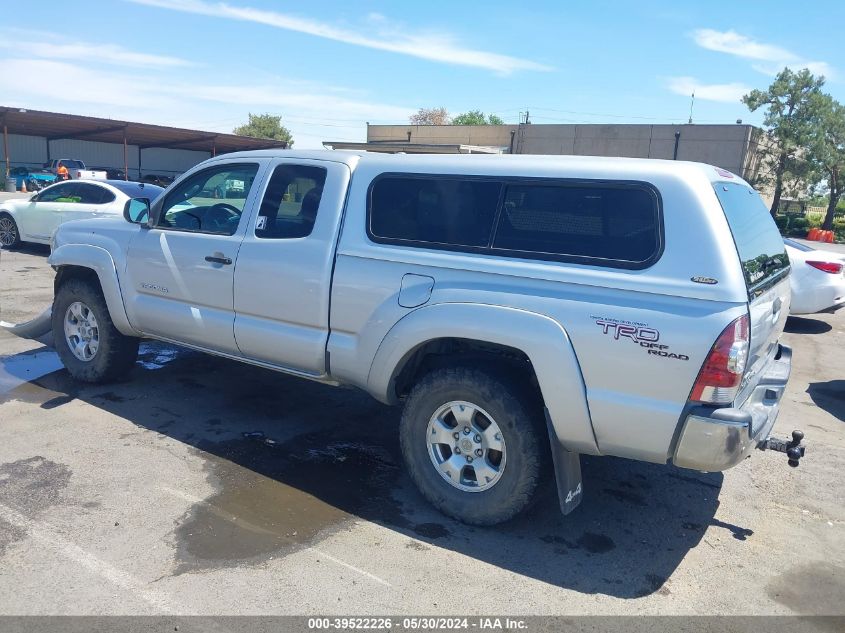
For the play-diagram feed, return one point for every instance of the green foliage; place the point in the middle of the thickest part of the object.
(793, 105)
(799, 224)
(782, 222)
(827, 152)
(814, 220)
(477, 117)
(267, 126)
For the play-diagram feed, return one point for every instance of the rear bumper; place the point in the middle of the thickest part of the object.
(717, 439)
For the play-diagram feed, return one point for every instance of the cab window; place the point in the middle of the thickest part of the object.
(290, 204)
(210, 201)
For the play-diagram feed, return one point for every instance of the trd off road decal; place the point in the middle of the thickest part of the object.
(639, 333)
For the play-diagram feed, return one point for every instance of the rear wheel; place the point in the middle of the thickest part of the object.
(10, 236)
(90, 346)
(474, 444)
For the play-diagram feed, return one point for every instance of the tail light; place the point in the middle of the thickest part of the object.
(720, 377)
(827, 267)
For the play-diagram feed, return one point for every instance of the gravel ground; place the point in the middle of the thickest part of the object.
(205, 486)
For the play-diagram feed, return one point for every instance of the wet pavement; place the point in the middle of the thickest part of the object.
(202, 485)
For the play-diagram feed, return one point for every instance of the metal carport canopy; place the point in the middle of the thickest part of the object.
(54, 126)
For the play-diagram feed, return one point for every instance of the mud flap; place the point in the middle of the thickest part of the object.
(567, 467)
(37, 327)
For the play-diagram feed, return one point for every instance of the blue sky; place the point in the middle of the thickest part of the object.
(328, 67)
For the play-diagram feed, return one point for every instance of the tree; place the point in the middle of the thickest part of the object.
(430, 116)
(265, 126)
(476, 117)
(792, 118)
(827, 152)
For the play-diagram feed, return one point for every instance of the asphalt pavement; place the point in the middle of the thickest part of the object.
(205, 486)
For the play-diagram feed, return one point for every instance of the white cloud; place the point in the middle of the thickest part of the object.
(50, 47)
(199, 105)
(770, 58)
(432, 46)
(727, 93)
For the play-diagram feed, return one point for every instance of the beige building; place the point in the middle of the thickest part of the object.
(731, 147)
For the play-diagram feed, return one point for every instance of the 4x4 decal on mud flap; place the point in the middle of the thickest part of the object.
(639, 333)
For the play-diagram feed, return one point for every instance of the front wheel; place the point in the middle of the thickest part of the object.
(475, 444)
(10, 236)
(91, 348)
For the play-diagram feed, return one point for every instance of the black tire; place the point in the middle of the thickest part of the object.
(518, 414)
(12, 228)
(116, 353)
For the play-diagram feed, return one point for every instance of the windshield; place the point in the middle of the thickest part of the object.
(758, 241)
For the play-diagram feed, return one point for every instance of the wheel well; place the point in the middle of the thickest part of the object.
(68, 272)
(449, 352)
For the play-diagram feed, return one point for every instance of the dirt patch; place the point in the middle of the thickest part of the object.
(813, 589)
(29, 486)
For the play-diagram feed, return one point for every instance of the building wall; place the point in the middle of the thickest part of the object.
(170, 162)
(25, 151)
(725, 146)
(32, 151)
(489, 135)
(95, 154)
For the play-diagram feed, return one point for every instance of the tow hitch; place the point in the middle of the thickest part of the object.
(793, 449)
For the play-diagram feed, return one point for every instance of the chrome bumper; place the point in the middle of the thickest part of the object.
(717, 439)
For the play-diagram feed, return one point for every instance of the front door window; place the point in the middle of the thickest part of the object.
(210, 201)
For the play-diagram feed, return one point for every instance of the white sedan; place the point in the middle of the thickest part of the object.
(35, 218)
(818, 278)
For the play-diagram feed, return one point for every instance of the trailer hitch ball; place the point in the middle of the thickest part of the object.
(793, 449)
(795, 452)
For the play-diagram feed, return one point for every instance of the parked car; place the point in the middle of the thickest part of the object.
(34, 179)
(524, 309)
(35, 219)
(76, 169)
(112, 173)
(155, 179)
(818, 278)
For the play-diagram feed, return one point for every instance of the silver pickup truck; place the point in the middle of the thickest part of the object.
(526, 310)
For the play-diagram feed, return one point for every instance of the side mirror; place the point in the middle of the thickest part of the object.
(137, 210)
(34, 198)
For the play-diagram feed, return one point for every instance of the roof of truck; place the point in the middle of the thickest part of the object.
(500, 164)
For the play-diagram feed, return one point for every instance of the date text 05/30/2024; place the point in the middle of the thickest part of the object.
(417, 623)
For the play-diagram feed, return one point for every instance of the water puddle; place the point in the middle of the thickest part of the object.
(275, 497)
(156, 356)
(18, 371)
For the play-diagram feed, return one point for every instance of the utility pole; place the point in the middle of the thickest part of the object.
(692, 103)
(525, 121)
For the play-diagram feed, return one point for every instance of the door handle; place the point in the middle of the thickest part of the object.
(218, 260)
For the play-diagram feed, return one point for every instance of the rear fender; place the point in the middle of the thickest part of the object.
(541, 338)
(100, 261)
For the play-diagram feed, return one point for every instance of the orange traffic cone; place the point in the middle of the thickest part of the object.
(23, 186)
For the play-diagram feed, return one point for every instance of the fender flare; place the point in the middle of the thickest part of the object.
(541, 338)
(100, 261)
